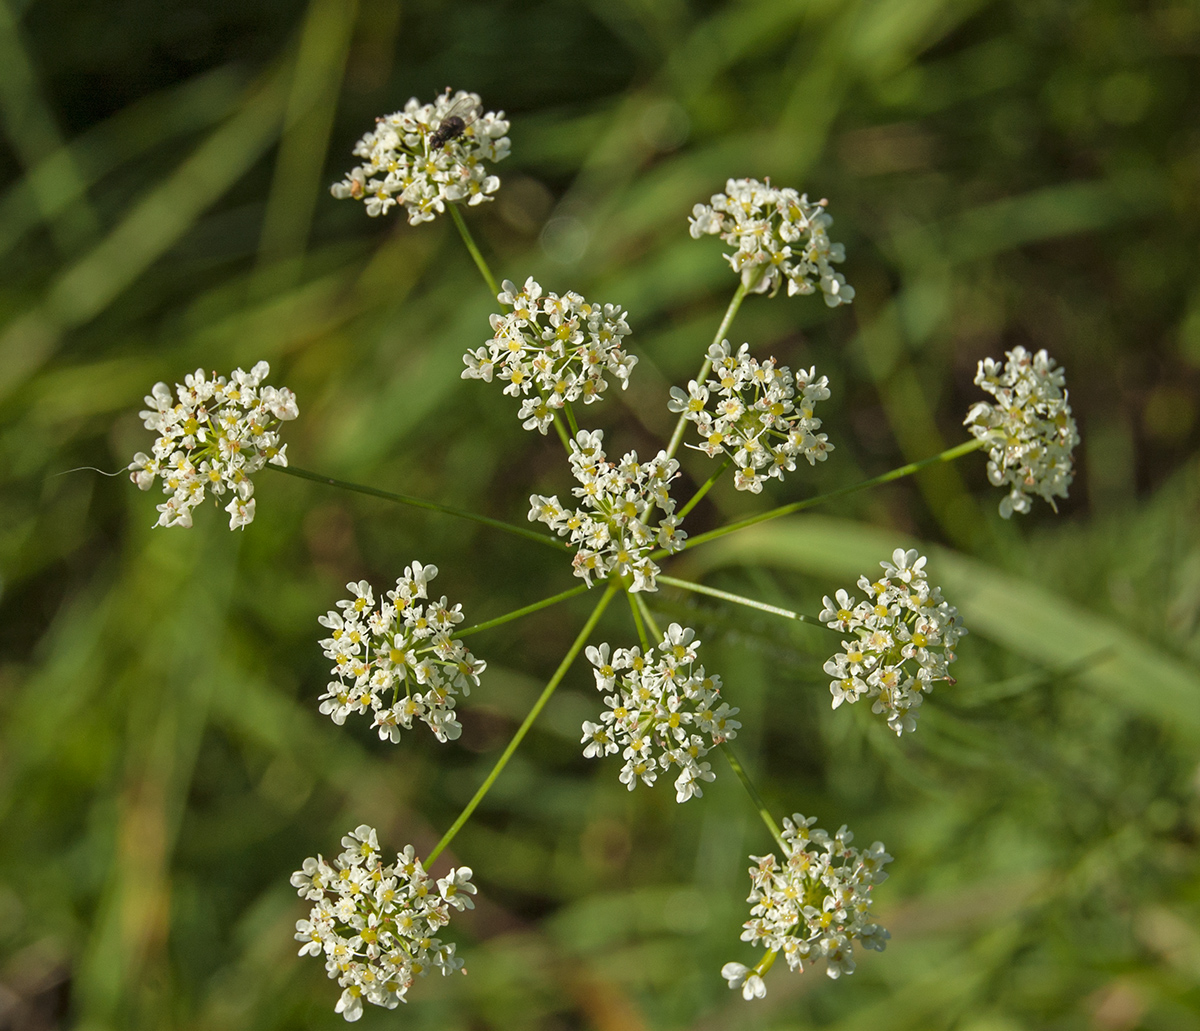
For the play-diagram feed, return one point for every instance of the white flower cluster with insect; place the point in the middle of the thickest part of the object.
(778, 235)
(762, 415)
(398, 661)
(559, 346)
(1029, 431)
(665, 712)
(213, 435)
(375, 923)
(428, 156)
(815, 905)
(615, 531)
(905, 635)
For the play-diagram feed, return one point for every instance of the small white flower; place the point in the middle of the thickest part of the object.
(743, 977)
(762, 415)
(1029, 431)
(814, 905)
(453, 886)
(615, 531)
(350, 1003)
(241, 513)
(398, 661)
(687, 783)
(361, 845)
(375, 923)
(213, 435)
(663, 711)
(905, 635)
(778, 235)
(553, 349)
(598, 740)
(428, 156)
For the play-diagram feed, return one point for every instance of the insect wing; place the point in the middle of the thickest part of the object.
(465, 107)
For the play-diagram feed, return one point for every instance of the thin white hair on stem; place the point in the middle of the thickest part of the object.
(87, 469)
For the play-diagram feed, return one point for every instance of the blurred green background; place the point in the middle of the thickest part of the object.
(1021, 172)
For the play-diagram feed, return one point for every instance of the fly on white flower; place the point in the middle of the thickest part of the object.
(427, 156)
(455, 119)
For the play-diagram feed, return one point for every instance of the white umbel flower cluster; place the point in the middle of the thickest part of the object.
(616, 530)
(559, 346)
(398, 661)
(375, 923)
(665, 712)
(778, 235)
(905, 635)
(758, 418)
(213, 435)
(815, 905)
(1029, 431)
(428, 156)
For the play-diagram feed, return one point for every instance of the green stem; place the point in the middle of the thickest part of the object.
(767, 961)
(562, 433)
(737, 599)
(744, 777)
(432, 506)
(738, 296)
(571, 419)
(523, 729)
(650, 621)
(469, 240)
(752, 791)
(637, 621)
(798, 506)
(706, 487)
(508, 617)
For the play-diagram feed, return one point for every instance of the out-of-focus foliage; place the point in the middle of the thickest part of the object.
(1021, 172)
